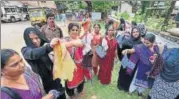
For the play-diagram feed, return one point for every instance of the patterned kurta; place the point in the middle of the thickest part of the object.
(164, 90)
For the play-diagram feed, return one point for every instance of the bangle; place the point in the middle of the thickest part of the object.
(55, 93)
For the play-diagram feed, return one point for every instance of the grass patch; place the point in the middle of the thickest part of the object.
(95, 90)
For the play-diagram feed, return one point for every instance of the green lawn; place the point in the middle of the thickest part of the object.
(95, 90)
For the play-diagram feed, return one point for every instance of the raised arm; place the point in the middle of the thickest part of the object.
(77, 43)
(35, 53)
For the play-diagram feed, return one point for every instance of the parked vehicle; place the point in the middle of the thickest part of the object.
(14, 13)
(37, 16)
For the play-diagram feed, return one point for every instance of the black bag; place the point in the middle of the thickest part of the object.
(11, 93)
(87, 59)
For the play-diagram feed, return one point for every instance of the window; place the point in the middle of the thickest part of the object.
(13, 10)
(7, 10)
(19, 10)
(25, 10)
(36, 14)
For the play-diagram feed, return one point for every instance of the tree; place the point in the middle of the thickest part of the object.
(89, 6)
(148, 11)
(103, 6)
(144, 5)
(68, 5)
(170, 10)
(61, 6)
(134, 5)
(82, 5)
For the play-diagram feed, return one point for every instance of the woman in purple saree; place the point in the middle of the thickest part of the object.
(20, 81)
(140, 58)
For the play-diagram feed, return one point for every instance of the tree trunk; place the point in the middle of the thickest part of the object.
(149, 11)
(170, 10)
(89, 4)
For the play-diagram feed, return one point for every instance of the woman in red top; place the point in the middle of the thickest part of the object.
(77, 56)
(86, 22)
(107, 63)
(97, 39)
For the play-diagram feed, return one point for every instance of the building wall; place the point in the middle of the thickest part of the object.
(12, 3)
(49, 4)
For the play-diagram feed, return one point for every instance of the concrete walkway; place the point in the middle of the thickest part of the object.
(174, 31)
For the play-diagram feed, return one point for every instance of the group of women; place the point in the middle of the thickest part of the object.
(138, 48)
(146, 64)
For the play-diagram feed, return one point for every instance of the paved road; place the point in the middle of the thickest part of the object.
(12, 34)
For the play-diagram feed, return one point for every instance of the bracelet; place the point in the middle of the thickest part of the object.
(55, 93)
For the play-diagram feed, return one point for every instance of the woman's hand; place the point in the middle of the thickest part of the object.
(125, 51)
(78, 43)
(54, 42)
(53, 94)
(128, 51)
(147, 73)
(153, 58)
(129, 71)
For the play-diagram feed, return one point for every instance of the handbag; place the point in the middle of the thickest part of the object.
(125, 61)
(100, 51)
(87, 59)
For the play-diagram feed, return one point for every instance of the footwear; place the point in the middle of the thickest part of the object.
(120, 88)
(140, 97)
(140, 94)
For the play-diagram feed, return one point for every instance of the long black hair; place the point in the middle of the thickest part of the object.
(110, 22)
(5, 55)
(97, 24)
(122, 21)
(71, 25)
(107, 28)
